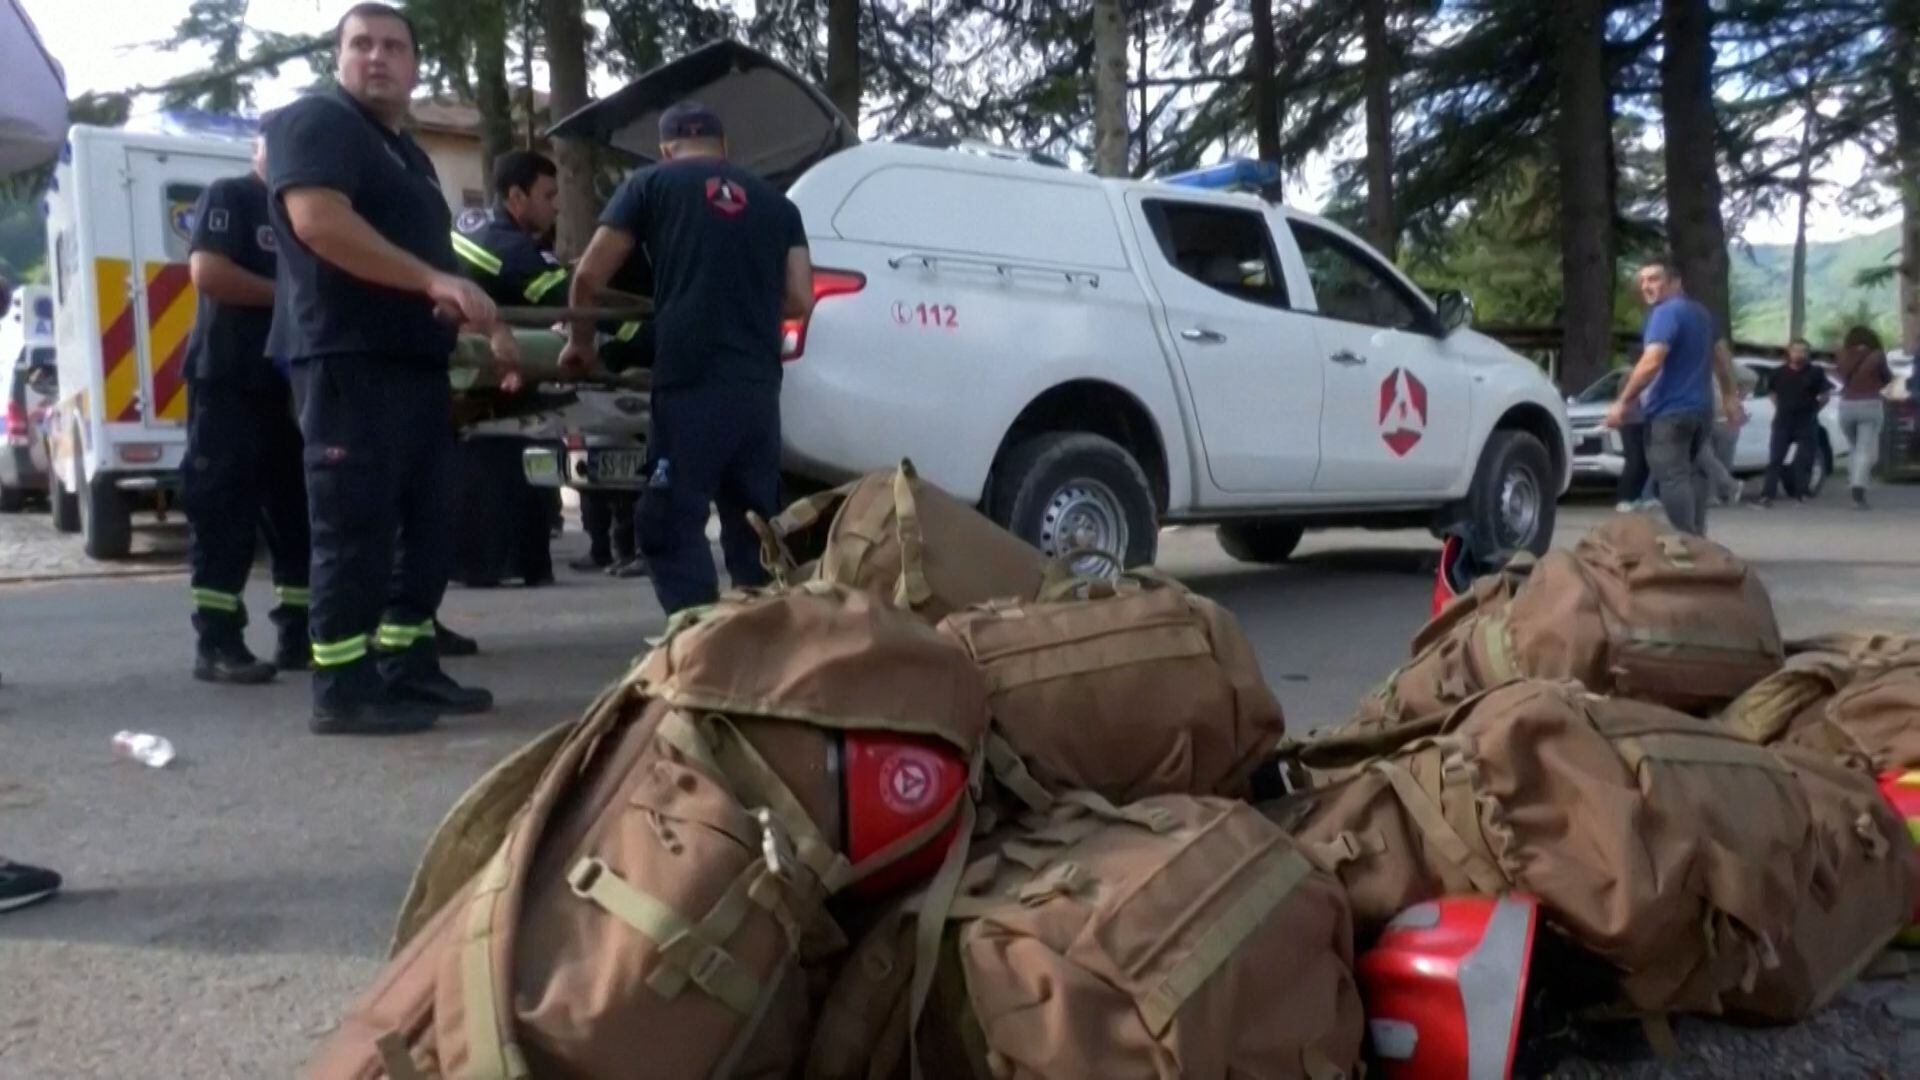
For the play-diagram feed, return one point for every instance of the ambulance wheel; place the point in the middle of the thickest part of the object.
(66, 504)
(105, 522)
(1511, 506)
(1068, 491)
(1268, 542)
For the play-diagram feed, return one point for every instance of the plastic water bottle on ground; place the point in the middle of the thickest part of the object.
(150, 750)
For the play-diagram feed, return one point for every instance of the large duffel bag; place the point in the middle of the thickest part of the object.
(1129, 688)
(1666, 845)
(1173, 937)
(1858, 899)
(661, 896)
(1855, 697)
(897, 535)
(1632, 611)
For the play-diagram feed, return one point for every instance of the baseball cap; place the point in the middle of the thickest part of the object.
(690, 120)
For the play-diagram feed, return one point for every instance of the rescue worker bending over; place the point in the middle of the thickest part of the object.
(729, 259)
(506, 523)
(242, 476)
(372, 294)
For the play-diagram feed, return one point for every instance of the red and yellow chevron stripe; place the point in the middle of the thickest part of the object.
(170, 311)
(122, 398)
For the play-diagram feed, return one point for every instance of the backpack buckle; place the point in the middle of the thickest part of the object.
(775, 848)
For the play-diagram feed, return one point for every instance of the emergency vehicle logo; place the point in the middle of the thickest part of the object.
(471, 220)
(725, 196)
(180, 219)
(908, 781)
(1403, 411)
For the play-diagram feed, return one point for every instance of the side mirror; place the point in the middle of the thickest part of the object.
(1454, 310)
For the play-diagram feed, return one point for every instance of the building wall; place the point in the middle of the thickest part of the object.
(457, 159)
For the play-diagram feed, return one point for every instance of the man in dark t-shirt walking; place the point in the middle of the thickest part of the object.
(1799, 390)
(729, 259)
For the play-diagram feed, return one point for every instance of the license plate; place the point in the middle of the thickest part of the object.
(617, 466)
(1588, 446)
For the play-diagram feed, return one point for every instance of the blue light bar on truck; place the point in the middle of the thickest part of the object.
(1243, 175)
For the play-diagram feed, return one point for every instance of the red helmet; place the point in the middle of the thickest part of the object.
(1445, 984)
(893, 786)
(1902, 789)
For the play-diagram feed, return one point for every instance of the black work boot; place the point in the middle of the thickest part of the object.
(295, 651)
(350, 699)
(413, 675)
(227, 660)
(451, 642)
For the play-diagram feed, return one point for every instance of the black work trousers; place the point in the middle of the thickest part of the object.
(607, 517)
(242, 480)
(379, 456)
(1798, 438)
(714, 446)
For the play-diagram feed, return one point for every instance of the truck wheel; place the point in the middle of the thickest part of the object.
(1512, 505)
(1268, 542)
(105, 522)
(1065, 492)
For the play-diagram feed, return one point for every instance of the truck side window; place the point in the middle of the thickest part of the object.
(1352, 287)
(1222, 248)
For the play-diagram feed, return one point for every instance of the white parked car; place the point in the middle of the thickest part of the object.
(1598, 457)
(1087, 359)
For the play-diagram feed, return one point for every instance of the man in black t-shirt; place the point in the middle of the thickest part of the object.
(1799, 390)
(372, 298)
(242, 476)
(729, 260)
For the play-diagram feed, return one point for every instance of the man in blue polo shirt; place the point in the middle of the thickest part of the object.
(1681, 362)
(372, 298)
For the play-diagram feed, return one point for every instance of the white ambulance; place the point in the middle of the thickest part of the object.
(119, 218)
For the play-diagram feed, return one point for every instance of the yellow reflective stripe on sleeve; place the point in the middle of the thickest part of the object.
(476, 256)
(215, 600)
(293, 595)
(627, 332)
(539, 287)
(337, 653)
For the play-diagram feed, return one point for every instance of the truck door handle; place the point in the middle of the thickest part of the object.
(1204, 336)
(1348, 357)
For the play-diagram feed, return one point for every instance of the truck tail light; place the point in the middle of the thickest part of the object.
(826, 284)
(140, 453)
(16, 424)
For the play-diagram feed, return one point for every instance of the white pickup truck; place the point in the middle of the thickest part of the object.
(1089, 359)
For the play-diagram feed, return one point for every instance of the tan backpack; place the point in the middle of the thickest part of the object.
(1128, 688)
(1632, 611)
(1170, 938)
(1859, 897)
(897, 535)
(1664, 844)
(660, 898)
(1855, 697)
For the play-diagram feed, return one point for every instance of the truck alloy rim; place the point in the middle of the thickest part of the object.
(1519, 508)
(1085, 515)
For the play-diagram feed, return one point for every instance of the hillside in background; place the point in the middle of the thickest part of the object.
(1762, 277)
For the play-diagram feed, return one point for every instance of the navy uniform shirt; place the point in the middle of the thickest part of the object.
(229, 342)
(328, 140)
(718, 238)
(504, 260)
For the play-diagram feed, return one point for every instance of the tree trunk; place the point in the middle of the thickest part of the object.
(1381, 227)
(843, 58)
(1903, 25)
(491, 95)
(1266, 103)
(1797, 304)
(527, 16)
(1585, 155)
(567, 92)
(1109, 87)
(1695, 228)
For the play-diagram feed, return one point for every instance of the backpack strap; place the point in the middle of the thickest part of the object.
(1439, 832)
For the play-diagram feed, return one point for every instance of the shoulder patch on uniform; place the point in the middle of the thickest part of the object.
(551, 258)
(472, 220)
(217, 220)
(263, 237)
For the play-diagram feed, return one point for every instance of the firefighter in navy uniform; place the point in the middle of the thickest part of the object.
(371, 299)
(242, 476)
(729, 261)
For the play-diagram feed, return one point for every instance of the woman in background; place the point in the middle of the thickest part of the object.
(1864, 374)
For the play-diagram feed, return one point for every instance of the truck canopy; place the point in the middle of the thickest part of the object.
(778, 125)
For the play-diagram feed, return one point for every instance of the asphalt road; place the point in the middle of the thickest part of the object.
(220, 912)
